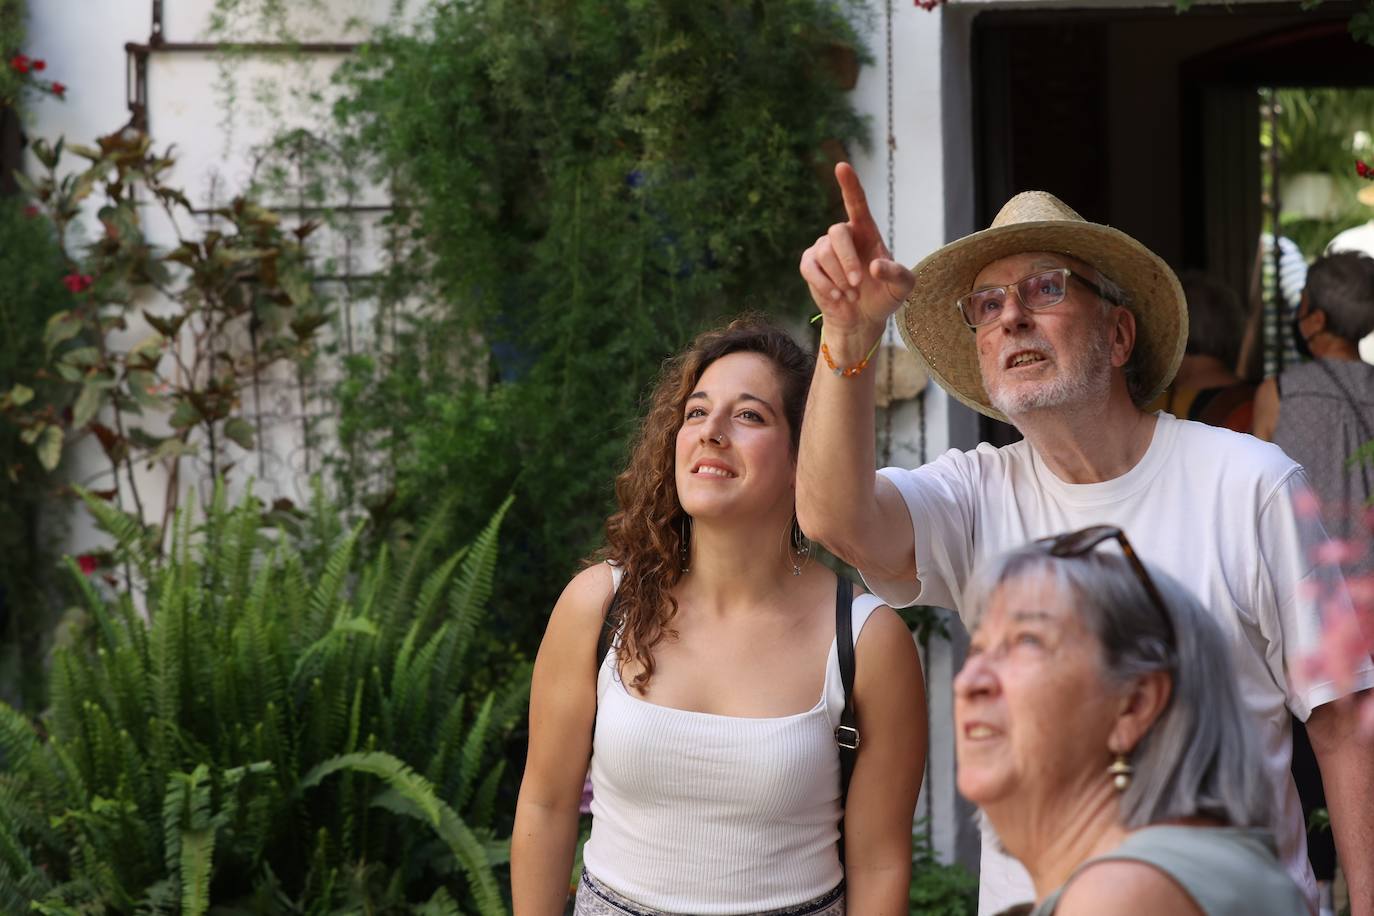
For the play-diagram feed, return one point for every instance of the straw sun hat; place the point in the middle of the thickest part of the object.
(1038, 221)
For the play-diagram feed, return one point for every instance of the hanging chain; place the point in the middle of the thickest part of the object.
(889, 332)
(890, 335)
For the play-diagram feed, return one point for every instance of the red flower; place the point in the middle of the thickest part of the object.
(87, 563)
(20, 63)
(39, 64)
(31, 211)
(77, 283)
(1363, 170)
(58, 90)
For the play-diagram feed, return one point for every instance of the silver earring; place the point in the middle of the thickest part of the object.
(801, 548)
(684, 554)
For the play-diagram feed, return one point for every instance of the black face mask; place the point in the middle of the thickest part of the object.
(1299, 341)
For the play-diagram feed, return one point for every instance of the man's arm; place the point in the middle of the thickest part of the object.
(840, 501)
(1347, 765)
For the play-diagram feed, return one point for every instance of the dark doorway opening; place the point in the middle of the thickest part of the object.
(1147, 120)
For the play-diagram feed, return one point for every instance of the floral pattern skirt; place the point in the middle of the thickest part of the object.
(596, 899)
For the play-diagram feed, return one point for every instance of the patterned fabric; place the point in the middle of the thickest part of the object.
(596, 899)
(1326, 414)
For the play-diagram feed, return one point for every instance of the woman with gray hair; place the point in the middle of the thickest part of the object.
(1100, 731)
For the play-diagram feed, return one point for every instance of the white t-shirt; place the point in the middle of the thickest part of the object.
(1214, 508)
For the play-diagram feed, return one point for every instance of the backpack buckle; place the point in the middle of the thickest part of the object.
(847, 737)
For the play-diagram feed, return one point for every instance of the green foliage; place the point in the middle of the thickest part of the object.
(241, 300)
(938, 889)
(30, 291)
(582, 189)
(1324, 131)
(12, 16)
(291, 729)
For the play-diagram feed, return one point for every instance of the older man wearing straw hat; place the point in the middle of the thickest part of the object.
(1065, 328)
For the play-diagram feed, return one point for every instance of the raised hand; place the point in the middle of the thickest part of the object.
(849, 270)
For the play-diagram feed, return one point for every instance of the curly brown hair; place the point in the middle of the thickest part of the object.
(644, 538)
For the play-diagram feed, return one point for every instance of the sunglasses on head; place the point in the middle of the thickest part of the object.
(1078, 543)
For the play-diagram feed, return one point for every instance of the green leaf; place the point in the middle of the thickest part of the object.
(185, 415)
(50, 448)
(26, 184)
(167, 327)
(61, 327)
(81, 357)
(70, 373)
(296, 284)
(20, 395)
(88, 404)
(172, 447)
(240, 431)
(87, 152)
(197, 857)
(410, 785)
(45, 153)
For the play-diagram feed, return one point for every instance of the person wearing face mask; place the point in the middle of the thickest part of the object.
(1321, 411)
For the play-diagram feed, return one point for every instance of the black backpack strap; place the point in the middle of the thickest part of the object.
(847, 732)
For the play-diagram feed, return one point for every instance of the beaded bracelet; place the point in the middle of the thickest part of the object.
(853, 370)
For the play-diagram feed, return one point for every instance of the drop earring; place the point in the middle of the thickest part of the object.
(684, 551)
(801, 548)
(1121, 772)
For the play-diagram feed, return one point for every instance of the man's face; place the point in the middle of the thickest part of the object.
(1043, 360)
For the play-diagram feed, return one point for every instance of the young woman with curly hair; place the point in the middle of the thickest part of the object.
(708, 728)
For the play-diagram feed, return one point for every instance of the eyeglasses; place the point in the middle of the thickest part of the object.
(1036, 292)
(1078, 543)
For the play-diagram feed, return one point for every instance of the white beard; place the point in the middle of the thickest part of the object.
(1090, 382)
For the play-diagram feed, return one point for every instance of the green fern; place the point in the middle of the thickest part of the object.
(184, 764)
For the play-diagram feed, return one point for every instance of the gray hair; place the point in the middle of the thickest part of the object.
(1342, 286)
(1200, 756)
(1112, 296)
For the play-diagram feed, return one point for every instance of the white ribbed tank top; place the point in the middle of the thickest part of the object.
(716, 815)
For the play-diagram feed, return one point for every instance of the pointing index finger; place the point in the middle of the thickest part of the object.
(852, 190)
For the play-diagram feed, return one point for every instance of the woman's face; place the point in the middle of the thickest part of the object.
(1032, 710)
(734, 448)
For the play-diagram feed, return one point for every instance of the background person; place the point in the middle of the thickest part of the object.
(714, 765)
(1099, 730)
(1321, 412)
(1206, 387)
(1066, 328)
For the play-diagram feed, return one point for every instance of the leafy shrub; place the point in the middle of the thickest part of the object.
(240, 297)
(30, 291)
(583, 186)
(938, 889)
(290, 730)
